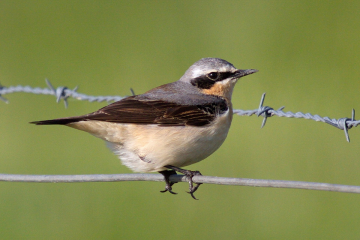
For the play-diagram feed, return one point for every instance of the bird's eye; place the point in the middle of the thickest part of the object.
(213, 75)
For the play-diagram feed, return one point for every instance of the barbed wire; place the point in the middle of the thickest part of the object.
(180, 178)
(63, 93)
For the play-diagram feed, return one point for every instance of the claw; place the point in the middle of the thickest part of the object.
(168, 190)
(193, 188)
(168, 186)
(189, 174)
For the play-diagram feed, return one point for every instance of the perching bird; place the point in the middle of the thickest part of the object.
(171, 126)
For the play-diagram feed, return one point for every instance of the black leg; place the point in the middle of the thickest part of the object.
(167, 175)
(189, 174)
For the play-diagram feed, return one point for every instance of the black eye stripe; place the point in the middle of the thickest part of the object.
(225, 75)
(204, 82)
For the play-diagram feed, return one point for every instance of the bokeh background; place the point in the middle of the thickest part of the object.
(307, 53)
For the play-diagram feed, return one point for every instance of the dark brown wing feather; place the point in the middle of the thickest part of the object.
(132, 110)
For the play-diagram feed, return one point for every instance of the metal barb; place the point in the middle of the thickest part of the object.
(342, 124)
(262, 101)
(346, 133)
(66, 103)
(61, 92)
(1, 97)
(264, 121)
(264, 111)
(66, 93)
(4, 99)
(132, 91)
(50, 85)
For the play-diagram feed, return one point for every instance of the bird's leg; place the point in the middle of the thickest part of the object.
(167, 175)
(189, 174)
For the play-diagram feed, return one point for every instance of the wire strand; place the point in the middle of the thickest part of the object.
(179, 178)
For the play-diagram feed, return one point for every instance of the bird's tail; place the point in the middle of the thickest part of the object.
(59, 121)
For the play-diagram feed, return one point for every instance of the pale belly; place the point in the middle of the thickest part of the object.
(148, 148)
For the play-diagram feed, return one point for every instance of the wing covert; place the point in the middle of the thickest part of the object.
(132, 110)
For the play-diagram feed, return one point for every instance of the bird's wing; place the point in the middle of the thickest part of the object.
(132, 110)
(159, 112)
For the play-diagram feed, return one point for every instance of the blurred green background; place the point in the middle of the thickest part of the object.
(307, 53)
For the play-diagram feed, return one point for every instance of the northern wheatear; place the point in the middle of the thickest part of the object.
(171, 126)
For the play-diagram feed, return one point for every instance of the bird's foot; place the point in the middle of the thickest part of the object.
(189, 174)
(168, 186)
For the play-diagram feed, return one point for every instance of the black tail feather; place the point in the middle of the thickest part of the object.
(59, 121)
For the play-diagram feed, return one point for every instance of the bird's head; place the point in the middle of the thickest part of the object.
(214, 76)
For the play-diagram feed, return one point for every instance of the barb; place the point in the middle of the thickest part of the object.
(63, 93)
(179, 178)
(341, 123)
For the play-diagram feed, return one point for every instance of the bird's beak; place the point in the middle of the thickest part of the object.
(241, 73)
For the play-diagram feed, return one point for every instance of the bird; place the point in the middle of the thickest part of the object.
(170, 126)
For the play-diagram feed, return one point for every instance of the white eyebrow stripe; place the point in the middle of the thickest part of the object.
(224, 69)
(200, 72)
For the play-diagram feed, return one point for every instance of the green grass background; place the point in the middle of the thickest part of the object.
(307, 54)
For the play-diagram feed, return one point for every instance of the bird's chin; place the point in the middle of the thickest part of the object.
(233, 81)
